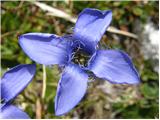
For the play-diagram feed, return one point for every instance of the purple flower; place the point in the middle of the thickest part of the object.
(49, 49)
(12, 83)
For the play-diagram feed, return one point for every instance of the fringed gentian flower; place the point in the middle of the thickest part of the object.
(77, 54)
(12, 83)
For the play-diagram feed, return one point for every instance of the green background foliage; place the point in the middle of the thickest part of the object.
(103, 99)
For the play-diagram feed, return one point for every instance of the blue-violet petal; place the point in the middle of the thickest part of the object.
(15, 80)
(12, 112)
(114, 66)
(45, 48)
(90, 27)
(71, 89)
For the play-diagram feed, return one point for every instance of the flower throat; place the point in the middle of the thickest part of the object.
(80, 57)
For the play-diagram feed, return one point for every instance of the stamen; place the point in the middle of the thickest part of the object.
(80, 57)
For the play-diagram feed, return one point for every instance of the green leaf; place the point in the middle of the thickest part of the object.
(137, 11)
(148, 91)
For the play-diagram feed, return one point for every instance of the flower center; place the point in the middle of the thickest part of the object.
(80, 57)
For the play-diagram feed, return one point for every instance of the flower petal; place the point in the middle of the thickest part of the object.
(45, 48)
(15, 80)
(71, 89)
(115, 66)
(90, 27)
(12, 112)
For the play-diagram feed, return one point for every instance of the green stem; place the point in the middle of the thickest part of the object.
(44, 82)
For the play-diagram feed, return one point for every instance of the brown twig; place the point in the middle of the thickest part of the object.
(8, 33)
(14, 9)
(59, 13)
(38, 109)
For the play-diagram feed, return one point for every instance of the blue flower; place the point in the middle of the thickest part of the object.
(49, 49)
(12, 83)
